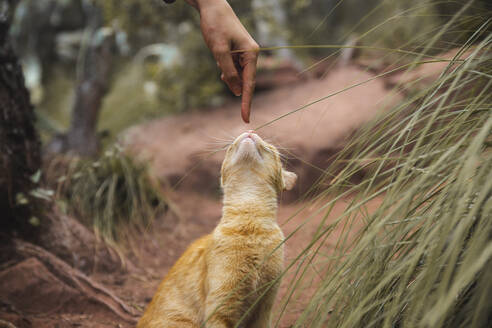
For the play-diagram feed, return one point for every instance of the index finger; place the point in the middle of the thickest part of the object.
(248, 75)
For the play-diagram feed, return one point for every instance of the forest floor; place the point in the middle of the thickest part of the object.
(181, 151)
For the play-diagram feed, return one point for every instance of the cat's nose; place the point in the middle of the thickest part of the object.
(251, 131)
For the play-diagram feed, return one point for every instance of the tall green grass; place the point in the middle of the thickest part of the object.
(424, 257)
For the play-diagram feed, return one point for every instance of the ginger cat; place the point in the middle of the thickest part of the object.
(223, 274)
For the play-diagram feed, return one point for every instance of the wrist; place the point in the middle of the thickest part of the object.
(206, 4)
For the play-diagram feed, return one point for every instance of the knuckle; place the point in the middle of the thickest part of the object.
(220, 50)
(252, 54)
(255, 47)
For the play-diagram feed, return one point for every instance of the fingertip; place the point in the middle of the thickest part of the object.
(245, 113)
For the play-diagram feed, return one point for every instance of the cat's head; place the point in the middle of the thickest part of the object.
(251, 156)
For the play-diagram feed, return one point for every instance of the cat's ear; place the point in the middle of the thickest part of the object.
(289, 179)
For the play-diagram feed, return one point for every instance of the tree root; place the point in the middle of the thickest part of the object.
(77, 280)
(6, 324)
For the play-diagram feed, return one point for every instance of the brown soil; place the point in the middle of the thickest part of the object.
(180, 150)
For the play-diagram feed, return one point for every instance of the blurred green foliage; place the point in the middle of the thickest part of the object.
(146, 21)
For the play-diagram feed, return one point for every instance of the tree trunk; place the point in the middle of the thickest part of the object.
(92, 86)
(20, 156)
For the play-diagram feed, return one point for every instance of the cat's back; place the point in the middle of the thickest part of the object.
(181, 294)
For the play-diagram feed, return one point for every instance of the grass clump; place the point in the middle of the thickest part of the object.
(115, 195)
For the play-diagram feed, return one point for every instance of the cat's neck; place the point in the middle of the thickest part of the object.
(246, 196)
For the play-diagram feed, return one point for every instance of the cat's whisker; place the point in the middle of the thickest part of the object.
(219, 139)
(227, 135)
(225, 139)
(218, 143)
(281, 155)
(213, 151)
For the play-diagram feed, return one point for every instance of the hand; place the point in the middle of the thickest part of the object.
(234, 49)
